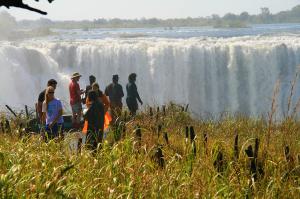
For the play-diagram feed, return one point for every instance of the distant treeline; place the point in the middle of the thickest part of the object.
(228, 20)
(11, 29)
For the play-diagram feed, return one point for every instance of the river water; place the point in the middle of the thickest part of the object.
(212, 70)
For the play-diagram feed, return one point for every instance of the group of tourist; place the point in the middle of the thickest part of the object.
(102, 108)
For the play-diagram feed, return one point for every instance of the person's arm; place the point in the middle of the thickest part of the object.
(106, 102)
(76, 88)
(40, 106)
(43, 118)
(137, 94)
(78, 91)
(44, 111)
(121, 92)
(106, 91)
(39, 110)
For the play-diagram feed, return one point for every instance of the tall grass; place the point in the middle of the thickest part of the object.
(30, 168)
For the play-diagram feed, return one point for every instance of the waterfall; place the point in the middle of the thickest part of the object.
(212, 75)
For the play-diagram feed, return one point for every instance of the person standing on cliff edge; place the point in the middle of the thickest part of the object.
(115, 93)
(75, 100)
(132, 95)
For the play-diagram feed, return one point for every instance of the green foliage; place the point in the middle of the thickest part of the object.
(30, 168)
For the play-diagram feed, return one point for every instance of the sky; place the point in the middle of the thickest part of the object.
(132, 9)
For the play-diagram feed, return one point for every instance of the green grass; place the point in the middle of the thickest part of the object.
(30, 168)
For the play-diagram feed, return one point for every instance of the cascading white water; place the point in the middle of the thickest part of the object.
(211, 75)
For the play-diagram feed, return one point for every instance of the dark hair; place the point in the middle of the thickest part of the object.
(51, 82)
(131, 77)
(92, 79)
(115, 77)
(92, 95)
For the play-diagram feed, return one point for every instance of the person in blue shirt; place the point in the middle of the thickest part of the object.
(52, 114)
(132, 95)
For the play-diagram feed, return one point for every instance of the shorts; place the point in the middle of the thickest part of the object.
(76, 110)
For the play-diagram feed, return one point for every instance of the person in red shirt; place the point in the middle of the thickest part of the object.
(75, 100)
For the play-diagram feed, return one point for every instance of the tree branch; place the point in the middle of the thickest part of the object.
(20, 4)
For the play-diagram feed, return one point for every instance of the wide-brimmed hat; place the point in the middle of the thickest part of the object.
(75, 75)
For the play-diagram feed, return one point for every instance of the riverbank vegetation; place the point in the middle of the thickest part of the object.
(162, 153)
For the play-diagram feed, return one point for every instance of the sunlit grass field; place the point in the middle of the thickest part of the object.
(129, 163)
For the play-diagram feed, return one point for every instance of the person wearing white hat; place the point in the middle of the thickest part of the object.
(75, 100)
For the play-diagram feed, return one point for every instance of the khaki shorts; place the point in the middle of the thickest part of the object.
(76, 110)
